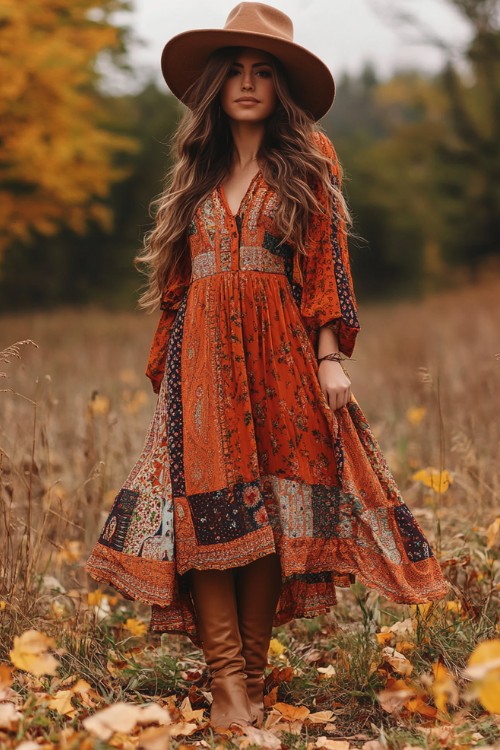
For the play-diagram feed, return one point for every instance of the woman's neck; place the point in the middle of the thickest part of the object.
(248, 137)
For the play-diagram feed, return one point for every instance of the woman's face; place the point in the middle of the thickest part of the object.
(248, 93)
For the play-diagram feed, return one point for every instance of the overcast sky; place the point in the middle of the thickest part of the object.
(344, 33)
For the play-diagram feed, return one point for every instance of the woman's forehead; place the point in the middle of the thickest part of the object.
(251, 55)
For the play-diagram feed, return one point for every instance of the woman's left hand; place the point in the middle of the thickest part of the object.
(334, 383)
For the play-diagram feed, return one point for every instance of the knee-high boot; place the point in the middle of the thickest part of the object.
(258, 587)
(214, 598)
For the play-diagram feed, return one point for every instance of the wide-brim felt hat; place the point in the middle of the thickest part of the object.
(251, 25)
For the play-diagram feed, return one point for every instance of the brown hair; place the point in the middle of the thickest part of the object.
(202, 146)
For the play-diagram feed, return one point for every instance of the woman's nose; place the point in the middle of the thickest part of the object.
(247, 80)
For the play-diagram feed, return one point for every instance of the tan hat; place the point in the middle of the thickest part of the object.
(251, 25)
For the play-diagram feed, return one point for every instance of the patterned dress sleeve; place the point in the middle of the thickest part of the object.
(170, 300)
(328, 296)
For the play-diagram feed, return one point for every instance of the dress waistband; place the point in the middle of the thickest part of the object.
(250, 259)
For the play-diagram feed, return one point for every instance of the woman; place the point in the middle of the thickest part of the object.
(261, 485)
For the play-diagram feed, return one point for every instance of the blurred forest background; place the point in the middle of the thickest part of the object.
(79, 165)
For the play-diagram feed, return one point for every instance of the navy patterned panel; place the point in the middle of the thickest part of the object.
(324, 577)
(416, 545)
(325, 509)
(175, 432)
(222, 516)
(339, 453)
(343, 288)
(115, 530)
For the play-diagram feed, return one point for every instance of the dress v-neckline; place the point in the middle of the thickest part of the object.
(222, 193)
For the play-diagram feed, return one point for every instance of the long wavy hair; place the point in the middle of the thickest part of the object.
(202, 150)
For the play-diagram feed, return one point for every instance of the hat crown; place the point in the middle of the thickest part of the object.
(261, 19)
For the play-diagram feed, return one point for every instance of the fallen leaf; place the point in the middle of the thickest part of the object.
(393, 699)
(398, 661)
(61, 702)
(122, 717)
(187, 711)
(437, 480)
(332, 744)
(492, 533)
(291, 713)
(9, 717)
(444, 689)
(418, 706)
(154, 738)
(183, 728)
(136, 627)
(320, 717)
(259, 737)
(483, 668)
(30, 653)
(275, 647)
(327, 672)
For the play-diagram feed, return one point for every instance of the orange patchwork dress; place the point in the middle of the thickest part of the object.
(243, 456)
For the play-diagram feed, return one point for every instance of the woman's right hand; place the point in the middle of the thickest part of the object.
(335, 384)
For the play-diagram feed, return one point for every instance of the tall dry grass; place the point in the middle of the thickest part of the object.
(74, 414)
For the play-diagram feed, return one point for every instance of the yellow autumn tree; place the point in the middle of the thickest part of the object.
(57, 150)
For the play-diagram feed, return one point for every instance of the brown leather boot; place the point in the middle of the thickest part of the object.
(258, 587)
(214, 599)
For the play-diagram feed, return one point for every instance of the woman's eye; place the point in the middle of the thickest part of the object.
(264, 73)
(232, 72)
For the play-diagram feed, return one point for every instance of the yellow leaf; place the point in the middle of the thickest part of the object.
(439, 481)
(415, 414)
(99, 405)
(492, 533)
(61, 702)
(275, 647)
(136, 627)
(30, 653)
(444, 688)
(94, 598)
(483, 668)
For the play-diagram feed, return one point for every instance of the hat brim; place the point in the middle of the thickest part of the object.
(311, 82)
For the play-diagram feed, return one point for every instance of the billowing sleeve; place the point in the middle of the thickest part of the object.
(327, 289)
(170, 301)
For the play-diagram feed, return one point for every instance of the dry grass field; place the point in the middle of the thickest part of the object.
(74, 411)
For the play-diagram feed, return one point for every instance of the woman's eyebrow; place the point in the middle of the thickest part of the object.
(254, 65)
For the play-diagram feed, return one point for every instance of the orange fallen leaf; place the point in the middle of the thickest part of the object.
(61, 702)
(291, 713)
(154, 738)
(418, 706)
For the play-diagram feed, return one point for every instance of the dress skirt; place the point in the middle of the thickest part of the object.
(243, 456)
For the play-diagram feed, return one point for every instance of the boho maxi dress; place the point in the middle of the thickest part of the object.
(243, 456)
